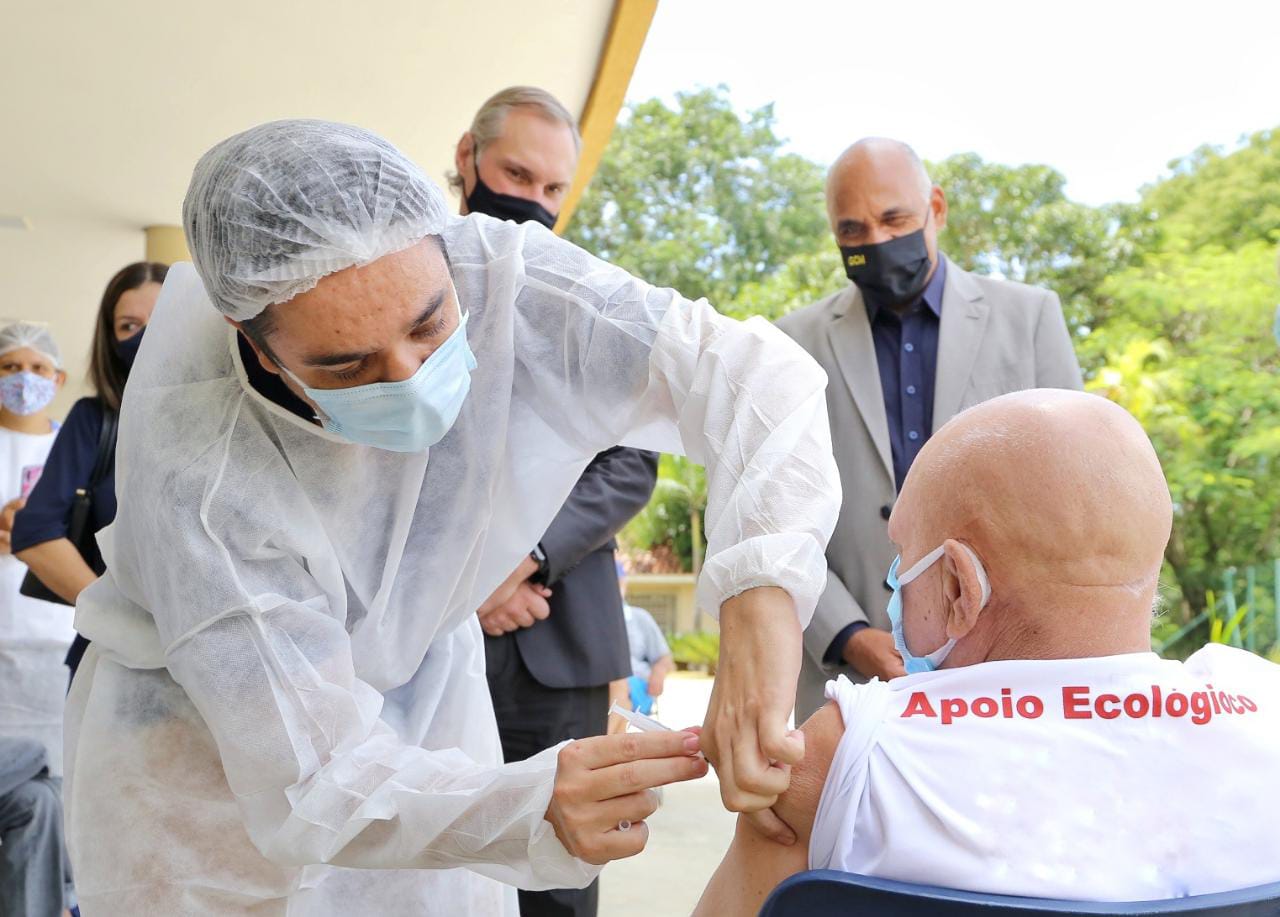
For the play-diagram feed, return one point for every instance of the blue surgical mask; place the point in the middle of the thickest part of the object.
(406, 416)
(928, 663)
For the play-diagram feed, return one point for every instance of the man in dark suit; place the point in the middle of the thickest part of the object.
(555, 632)
(549, 678)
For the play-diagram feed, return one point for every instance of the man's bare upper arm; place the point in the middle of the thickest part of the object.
(798, 806)
(755, 864)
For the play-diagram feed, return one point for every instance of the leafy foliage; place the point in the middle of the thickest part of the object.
(664, 521)
(1189, 352)
(673, 516)
(697, 649)
(1212, 198)
(1016, 222)
(803, 279)
(700, 199)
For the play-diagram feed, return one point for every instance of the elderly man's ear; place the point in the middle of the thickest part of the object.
(963, 590)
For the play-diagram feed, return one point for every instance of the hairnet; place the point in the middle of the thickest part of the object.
(35, 335)
(274, 209)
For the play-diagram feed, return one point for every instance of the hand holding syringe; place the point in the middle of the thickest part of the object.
(643, 724)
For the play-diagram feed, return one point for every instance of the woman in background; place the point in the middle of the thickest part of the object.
(41, 529)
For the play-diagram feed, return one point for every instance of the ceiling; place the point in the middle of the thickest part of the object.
(107, 106)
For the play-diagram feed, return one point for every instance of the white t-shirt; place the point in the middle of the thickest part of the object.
(1120, 778)
(34, 635)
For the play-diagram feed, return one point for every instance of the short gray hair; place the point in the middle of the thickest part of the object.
(487, 125)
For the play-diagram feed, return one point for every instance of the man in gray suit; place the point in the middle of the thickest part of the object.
(911, 342)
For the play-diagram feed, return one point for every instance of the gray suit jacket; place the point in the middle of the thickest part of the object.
(995, 337)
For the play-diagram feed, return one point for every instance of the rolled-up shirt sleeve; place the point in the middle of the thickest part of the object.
(617, 360)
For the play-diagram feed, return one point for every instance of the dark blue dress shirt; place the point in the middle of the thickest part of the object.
(906, 345)
(907, 357)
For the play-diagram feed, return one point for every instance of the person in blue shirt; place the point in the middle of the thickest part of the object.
(651, 660)
(40, 530)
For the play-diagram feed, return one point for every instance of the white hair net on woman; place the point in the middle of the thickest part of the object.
(33, 335)
(276, 208)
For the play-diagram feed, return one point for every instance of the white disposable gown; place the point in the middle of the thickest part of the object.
(285, 710)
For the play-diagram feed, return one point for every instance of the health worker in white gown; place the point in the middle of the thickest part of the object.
(350, 420)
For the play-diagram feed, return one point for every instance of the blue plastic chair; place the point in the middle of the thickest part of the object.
(827, 893)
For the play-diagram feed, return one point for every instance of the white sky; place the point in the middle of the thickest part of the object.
(1106, 92)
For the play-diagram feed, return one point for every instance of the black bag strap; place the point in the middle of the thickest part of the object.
(106, 456)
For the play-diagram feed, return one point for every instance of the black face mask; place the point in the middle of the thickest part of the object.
(484, 199)
(889, 273)
(127, 349)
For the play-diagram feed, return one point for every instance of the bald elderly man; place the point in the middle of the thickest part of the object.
(1041, 748)
(909, 343)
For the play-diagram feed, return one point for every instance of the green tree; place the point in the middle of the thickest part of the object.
(1189, 352)
(803, 279)
(1184, 341)
(1219, 198)
(700, 198)
(673, 518)
(1017, 222)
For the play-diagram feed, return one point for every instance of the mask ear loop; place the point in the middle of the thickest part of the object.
(932, 557)
(920, 566)
(983, 581)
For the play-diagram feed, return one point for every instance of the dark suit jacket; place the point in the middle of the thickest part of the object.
(583, 642)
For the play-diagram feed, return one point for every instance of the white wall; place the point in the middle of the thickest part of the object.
(109, 105)
(55, 272)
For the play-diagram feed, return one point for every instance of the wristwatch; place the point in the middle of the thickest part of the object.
(540, 558)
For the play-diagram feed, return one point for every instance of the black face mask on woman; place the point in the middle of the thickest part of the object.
(889, 273)
(127, 349)
(484, 199)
